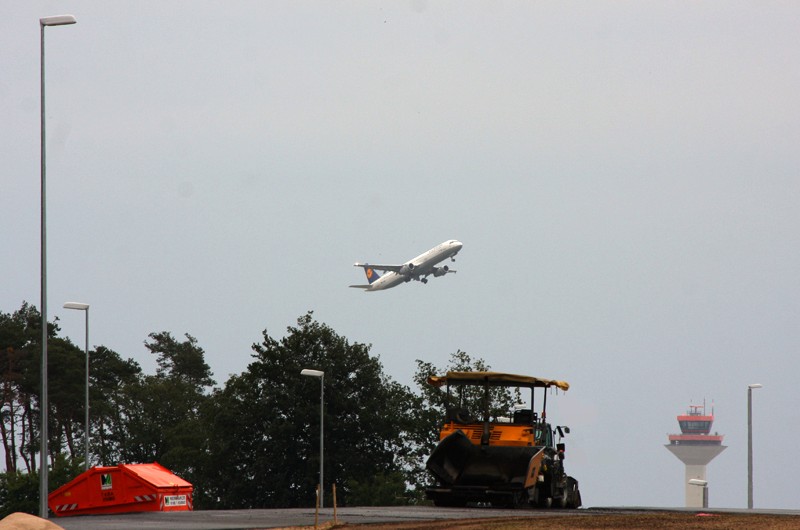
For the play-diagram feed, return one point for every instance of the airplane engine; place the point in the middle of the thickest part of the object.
(440, 271)
(406, 269)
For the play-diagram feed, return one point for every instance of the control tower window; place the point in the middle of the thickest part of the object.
(695, 426)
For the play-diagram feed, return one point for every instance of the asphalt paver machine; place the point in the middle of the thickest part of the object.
(511, 461)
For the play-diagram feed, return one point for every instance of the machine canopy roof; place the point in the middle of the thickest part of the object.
(495, 379)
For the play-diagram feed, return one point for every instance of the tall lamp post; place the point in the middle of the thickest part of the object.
(58, 20)
(750, 443)
(84, 307)
(321, 375)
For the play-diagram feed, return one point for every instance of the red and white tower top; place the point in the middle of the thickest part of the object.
(696, 428)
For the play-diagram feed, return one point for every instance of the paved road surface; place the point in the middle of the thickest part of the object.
(258, 519)
(250, 519)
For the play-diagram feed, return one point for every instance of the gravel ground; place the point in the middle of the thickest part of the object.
(631, 521)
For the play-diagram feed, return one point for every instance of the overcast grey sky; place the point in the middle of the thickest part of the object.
(623, 175)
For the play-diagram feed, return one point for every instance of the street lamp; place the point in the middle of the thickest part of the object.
(84, 307)
(59, 20)
(750, 443)
(321, 375)
(703, 484)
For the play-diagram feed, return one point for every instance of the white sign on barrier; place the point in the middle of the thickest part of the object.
(174, 500)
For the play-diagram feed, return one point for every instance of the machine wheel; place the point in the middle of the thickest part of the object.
(544, 495)
(572, 494)
(518, 498)
(544, 500)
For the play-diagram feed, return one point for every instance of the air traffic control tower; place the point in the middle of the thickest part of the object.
(696, 447)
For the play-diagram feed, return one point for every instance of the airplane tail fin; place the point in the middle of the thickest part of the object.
(372, 275)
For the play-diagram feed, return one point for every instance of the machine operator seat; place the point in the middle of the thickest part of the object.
(459, 415)
(525, 416)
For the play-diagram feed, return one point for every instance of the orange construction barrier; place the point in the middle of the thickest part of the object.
(122, 489)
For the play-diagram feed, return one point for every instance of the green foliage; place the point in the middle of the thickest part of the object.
(383, 489)
(162, 419)
(180, 361)
(19, 492)
(20, 386)
(66, 394)
(63, 470)
(501, 400)
(265, 426)
(112, 380)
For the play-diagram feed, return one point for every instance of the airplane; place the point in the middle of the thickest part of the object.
(417, 269)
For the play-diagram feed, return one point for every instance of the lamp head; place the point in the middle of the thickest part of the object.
(58, 20)
(76, 305)
(312, 373)
(755, 385)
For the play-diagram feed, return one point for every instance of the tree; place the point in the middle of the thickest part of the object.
(110, 394)
(501, 399)
(19, 492)
(264, 429)
(20, 379)
(20, 339)
(180, 361)
(66, 391)
(161, 417)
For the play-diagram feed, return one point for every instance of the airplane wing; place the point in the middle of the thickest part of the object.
(392, 268)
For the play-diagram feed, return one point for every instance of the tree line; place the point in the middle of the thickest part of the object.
(252, 442)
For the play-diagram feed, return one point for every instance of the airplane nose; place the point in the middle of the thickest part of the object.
(458, 244)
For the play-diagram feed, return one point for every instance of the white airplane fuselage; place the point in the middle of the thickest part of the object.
(416, 269)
